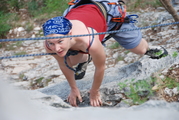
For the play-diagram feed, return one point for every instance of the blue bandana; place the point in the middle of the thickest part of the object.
(57, 25)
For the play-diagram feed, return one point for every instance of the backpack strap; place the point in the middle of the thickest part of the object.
(102, 8)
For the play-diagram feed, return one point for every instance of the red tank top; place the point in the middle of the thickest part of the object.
(91, 16)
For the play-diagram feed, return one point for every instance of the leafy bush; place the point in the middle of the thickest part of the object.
(138, 91)
(114, 45)
(175, 54)
(45, 9)
(133, 5)
(50, 8)
(35, 8)
(4, 26)
(56, 5)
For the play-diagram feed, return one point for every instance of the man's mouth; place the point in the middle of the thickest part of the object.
(60, 52)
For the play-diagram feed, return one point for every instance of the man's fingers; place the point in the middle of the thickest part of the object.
(96, 103)
(72, 101)
(93, 103)
(68, 99)
(100, 102)
(80, 98)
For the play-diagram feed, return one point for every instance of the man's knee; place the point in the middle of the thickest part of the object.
(141, 48)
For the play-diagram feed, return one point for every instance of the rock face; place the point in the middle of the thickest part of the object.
(140, 70)
(19, 105)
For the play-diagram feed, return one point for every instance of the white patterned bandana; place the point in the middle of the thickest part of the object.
(57, 25)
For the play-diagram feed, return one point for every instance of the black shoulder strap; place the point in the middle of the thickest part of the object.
(82, 2)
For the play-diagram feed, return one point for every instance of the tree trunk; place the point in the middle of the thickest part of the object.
(170, 9)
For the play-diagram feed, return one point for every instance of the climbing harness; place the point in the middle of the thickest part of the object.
(70, 52)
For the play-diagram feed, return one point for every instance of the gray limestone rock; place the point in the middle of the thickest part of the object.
(140, 70)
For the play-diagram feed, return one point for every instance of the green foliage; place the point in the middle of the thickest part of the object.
(114, 45)
(11, 5)
(169, 83)
(21, 76)
(33, 7)
(120, 58)
(56, 5)
(36, 8)
(133, 94)
(29, 27)
(175, 54)
(133, 5)
(2, 45)
(4, 26)
(39, 80)
(21, 53)
(45, 9)
(48, 80)
(158, 53)
(153, 3)
(122, 85)
(126, 51)
(139, 91)
(14, 4)
(13, 46)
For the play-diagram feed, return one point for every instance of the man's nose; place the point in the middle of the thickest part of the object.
(57, 47)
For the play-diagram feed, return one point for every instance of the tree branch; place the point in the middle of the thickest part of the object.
(167, 5)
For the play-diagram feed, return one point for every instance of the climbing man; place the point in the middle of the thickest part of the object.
(91, 17)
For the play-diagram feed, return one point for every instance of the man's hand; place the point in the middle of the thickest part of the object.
(95, 99)
(75, 93)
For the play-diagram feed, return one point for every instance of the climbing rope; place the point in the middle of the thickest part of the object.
(68, 36)
(27, 55)
(44, 38)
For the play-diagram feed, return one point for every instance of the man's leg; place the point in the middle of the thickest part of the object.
(141, 49)
(132, 40)
(155, 52)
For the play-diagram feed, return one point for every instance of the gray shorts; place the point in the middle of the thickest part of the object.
(128, 39)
